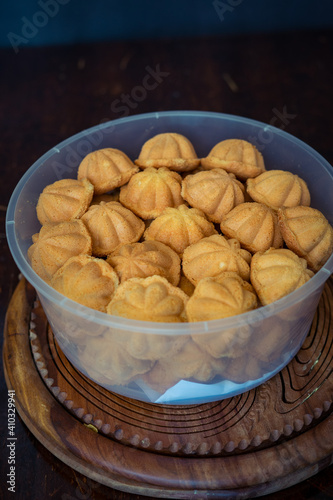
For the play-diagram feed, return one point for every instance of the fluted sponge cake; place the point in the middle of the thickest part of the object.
(171, 150)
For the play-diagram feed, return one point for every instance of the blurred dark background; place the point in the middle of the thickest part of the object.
(45, 22)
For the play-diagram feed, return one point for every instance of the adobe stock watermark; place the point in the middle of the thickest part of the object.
(152, 79)
(11, 442)
(72, 156)
(31, 27)
(265, 136)
(223, 8)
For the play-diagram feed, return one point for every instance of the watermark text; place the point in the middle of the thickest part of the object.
(11, 442)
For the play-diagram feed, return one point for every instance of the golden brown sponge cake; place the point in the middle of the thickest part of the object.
(170, 150)
(148, 258)
(308, 233)
(213, 255)
(55, 244)
(107, 362)
(276, 273)
(152, 190)
(254, 225)
(179, 227)
(149, 299)
(215, 192)
(279, 188)
(189, 363)
(236, 156)
(106, 169)
(110, 226)
(64, 200)
(86, 280)
(221, 297)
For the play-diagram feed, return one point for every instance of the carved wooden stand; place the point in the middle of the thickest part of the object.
(267, 439)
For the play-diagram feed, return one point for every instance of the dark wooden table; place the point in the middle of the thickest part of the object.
(48, 94)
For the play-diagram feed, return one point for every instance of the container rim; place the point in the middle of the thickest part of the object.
(105, 319)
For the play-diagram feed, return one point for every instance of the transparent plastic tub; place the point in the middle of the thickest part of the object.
(161, 362)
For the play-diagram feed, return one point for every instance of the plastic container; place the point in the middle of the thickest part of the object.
(104, 347)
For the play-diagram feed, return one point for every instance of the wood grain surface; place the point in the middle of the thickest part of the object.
(51, 93)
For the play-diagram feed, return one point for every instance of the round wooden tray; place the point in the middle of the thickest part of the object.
(262, 441)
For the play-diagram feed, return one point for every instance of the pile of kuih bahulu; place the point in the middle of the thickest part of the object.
(170, 237)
